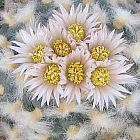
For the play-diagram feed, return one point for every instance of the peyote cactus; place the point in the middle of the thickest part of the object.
(69, 70)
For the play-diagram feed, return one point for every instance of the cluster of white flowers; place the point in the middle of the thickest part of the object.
(74, 57)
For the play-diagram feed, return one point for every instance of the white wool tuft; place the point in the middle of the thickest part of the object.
(7, 132)
(28, 123)
(88, 1)
(100, 121)
(65, 108)
(3, 41)
(8, 18)
(134, 132)
(116, 2)
(133, 51)
(5, 61)
(25, 14)
(65, 3)
(74, 132)
(10, 109)
(1, 90)
(102, 16)
(131, 104)
(46, 1)
(125, 18)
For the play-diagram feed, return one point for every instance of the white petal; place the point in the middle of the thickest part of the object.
(119, 88)
(104, 96)
(97, 95)
(121, 77)
(112, 99)
(56, 96)
(49, 93)
(68, 89)
(18, 49)
(44, 97)
(32, 81)
(114, 92)
(20, 69)
(35, 95)
(41, 90)
(25, 36)
(78, 95)
(22, 60)
(22, 45)
(119, 58)
(89, 95)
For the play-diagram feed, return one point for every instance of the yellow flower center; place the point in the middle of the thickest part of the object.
(100, 53)
(100, 76)
(75, 72)
(38, 53)
(52, 74)
(61, 48)
(77, 31)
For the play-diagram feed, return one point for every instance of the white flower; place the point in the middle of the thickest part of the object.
(32, 50)
(106, 45)
(125, 18)
(59, 41)
(76, 67)
(46, 81)
(105, 82)
(78, 22)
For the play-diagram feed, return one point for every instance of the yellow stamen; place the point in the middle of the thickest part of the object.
(61, 48)
(76, 72)
(38, 53)
(100, 53)
(52, 74)
(100, 76)
(77, 31)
